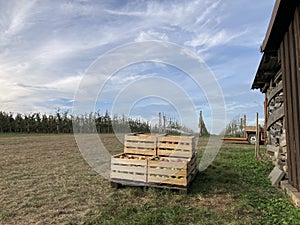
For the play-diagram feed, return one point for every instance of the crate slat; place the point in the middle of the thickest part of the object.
(174, 153)
(132, 169)
(176, 138)
(140, 151)
(170, 164)
(173, 181)
(128, 176)
(140, 137)
(128, 161)
(167, 172)
(135, 144)
(177, 146)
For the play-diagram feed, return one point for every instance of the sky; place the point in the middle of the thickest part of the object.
(49, 48)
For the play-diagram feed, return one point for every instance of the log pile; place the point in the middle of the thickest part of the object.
(276, 142)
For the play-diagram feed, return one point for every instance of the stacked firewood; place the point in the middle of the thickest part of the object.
(276, 130)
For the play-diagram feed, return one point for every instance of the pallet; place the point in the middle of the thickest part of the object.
(134, 169)
(176, 146)
(172, 171)
(118, 183)
(143, 144)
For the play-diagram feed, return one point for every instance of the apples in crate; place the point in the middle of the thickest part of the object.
(129, 167)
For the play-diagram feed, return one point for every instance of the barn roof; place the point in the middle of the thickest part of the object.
(282, 15)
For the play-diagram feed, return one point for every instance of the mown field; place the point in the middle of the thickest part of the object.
(44, 180)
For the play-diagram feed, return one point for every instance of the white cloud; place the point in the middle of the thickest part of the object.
(13, 22)
(151, 35)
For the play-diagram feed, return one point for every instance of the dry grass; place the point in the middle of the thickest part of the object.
(44, 180)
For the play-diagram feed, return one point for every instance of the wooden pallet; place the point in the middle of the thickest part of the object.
(176, 146)
(173, 171)
(118, 183)
(133, 168)
(143, 144)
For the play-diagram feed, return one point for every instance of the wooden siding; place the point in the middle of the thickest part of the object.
(289, 54)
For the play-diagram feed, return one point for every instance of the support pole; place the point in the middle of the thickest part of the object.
(257, 147)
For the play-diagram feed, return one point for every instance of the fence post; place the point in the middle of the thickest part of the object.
(257, 147)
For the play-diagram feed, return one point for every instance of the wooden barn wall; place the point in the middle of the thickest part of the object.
(289, 55)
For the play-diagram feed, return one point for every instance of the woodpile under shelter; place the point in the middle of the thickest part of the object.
(278, 77)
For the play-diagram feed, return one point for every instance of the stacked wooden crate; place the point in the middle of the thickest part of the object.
(140, 144)
(175, 163)
(176, 146)
(132, 165)
(126, 167)
(155, 160)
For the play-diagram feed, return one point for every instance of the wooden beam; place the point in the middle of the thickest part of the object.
(257, 147)
(276, 115)
(275, 91)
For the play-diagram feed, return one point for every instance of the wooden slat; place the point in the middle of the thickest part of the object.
(128, 161)
(132, 177)
(129, 169)
(167, 172)
(182, 146)
(148, 138)
(186, 139)
(294, 97)
(172, 153)
(174, 181)
(287, 101)
(140, 146)
(140, 151)
(192, 164)
(178, 165)
(288, 105)
(275, 116)
(192, 175)
(296, 91)
(275, 91)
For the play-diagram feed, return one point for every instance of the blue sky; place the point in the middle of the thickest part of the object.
(46, 47)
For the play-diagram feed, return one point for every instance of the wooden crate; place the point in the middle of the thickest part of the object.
(172, 171)
(176, 146)
(142, 144)
(128, 167)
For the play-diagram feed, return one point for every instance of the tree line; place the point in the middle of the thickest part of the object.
(236, 127)
(63, 122)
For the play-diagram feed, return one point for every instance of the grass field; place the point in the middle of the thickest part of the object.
(44, 180)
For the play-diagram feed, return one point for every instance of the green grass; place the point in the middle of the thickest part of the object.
(233, 190)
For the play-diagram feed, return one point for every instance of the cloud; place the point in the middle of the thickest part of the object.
(14, 18)
(46, 46)
(213, 39)
(151, 35)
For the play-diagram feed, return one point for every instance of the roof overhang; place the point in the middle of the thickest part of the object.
(267, 69)
(282, 15)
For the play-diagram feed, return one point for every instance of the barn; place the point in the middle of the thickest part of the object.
(278, 77)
